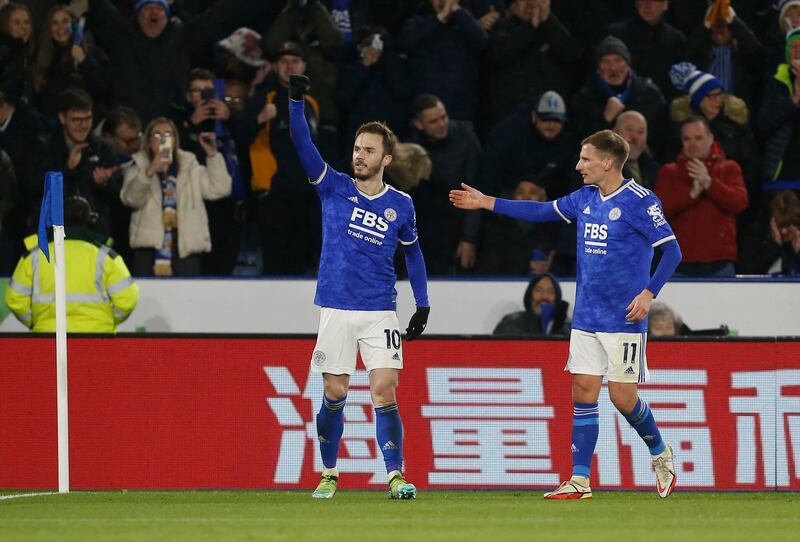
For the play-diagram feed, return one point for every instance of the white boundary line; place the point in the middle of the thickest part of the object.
(21, 495)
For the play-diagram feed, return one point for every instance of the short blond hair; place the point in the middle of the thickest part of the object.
(610, 144)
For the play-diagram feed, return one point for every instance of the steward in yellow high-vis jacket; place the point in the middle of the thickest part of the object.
(100, 291)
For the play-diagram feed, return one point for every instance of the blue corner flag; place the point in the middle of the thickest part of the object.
(52, 212)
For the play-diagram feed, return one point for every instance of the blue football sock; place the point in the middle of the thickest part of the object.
(642, 420)
(389, 430)
(585, 428)
(330, 424)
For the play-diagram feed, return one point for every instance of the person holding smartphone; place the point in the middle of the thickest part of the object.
(166, 187)
(205, 110)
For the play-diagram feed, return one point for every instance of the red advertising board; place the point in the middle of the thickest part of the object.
(182, 413)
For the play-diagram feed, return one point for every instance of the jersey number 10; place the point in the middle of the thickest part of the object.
(392, 338)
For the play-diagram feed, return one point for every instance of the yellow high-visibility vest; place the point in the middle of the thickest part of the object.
(100, 290)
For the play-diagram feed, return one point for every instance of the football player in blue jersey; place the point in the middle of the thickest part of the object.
(619, 224)
(363, 221)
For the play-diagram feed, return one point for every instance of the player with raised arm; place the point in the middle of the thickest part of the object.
(363, 220)
(619, 223)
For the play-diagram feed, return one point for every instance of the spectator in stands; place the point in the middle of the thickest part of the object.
(100, 291)
(779, 118)
(87, 161)
(149, 55)
(286, 207)
(530, 52)
(8, 201)
(655, 45)
(702, 192)
(204, 111)
(786, 19)
(545, 312)
(640, 166)
(531, 142)
(784, 224)
(615, 88)
(16, 33)
(517, 247)
(65, 59)
(725, 47)
(21, 137)
(309, 23)
(663, 322)
(373, 86)
(166, 187)
(240, 56)
(443, 42)
(122, 128)
(450, 243)
(727, 115)
(236, 95)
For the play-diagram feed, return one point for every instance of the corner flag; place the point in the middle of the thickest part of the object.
(52, 212)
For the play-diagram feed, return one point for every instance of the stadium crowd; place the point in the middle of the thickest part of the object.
(171, 118)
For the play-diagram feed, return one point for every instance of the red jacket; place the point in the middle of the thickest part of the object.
(705, 227)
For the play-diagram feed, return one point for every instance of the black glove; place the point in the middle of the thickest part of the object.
(417, 323)
(298, 85)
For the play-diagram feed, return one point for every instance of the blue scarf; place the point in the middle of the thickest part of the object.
(608, 89)
(721, 67)
(340, 13)
(169, 218)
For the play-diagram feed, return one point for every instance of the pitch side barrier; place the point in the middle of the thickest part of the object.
(233, 411)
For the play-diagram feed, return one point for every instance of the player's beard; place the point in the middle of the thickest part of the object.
(370, 173)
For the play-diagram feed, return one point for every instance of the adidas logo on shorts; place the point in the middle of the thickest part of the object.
(630, 371)
(396, 356)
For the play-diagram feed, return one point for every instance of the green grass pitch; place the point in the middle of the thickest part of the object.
(355, 516)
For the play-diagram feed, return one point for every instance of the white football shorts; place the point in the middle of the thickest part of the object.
(343, 334)
(621, 356)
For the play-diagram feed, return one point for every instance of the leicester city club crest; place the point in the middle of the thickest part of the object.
(390, 214)
(614, 214)
(318, 357)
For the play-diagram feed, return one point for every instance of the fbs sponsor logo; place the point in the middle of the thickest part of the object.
(318, 357)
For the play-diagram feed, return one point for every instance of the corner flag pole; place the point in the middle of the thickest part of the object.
(52, 214)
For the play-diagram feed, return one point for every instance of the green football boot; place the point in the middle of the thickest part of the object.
(400, 489)
(326, 488)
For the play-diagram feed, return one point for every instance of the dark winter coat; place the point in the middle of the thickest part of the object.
(529, 61)
(443, 58)
(654, 49)
(527, 324)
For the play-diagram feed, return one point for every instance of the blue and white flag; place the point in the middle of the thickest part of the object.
(52, 212)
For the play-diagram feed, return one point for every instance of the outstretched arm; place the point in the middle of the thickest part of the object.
(313, 164)
(533, 211)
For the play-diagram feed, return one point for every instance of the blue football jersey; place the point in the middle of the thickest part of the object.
(616, 236)
(360, 235)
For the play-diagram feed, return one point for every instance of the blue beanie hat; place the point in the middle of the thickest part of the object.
(142, 3)
(686, 77)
